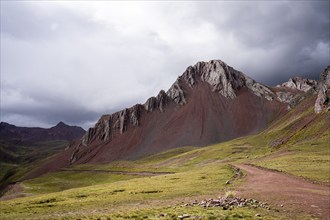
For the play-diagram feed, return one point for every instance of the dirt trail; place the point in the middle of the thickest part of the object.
(285, 192)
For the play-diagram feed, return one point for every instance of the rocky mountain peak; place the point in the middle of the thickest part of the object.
(222, 78)
(5, 124)
(61, 124)
(300, 84)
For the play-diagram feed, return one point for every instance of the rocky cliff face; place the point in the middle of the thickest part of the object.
(113, 125)
(323, 98)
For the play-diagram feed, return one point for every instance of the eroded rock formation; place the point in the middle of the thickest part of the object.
(323, 97)
(300, 84)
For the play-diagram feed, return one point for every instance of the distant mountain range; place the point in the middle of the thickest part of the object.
(23, 148)
(32, 135)
(209, 103)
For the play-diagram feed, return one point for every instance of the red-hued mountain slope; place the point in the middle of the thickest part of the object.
(209, 103)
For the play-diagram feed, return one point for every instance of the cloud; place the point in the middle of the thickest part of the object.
(73, 61)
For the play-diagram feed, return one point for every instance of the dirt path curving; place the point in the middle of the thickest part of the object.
(285, 192)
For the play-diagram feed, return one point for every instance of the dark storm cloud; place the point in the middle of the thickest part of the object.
(73, 61)
(282, 38)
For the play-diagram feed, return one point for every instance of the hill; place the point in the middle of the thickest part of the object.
(22, 148)
(30, 136)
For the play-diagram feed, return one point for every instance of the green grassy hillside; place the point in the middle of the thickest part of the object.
(300, 142)
(158, 186)
(17, 160)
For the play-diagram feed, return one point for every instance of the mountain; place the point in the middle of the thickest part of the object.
(28, 136)
(23, 148)
(210, 102)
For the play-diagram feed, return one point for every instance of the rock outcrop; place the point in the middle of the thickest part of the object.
(176, 93)
(300, 84)
(323, 98)
(223, 79)
(293, 91)
(113, 125)
(157, 102)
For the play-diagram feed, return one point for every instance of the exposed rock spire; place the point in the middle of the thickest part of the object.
(323, 98)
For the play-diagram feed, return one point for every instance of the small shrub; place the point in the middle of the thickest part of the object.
(230, 194)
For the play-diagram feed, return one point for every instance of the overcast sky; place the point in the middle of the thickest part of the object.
(74, 61)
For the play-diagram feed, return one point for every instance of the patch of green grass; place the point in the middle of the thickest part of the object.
(121, 193)
(230, 194)
(17, 160)
(307, 151)
(308, 160)
(5, 169)
(59, 181)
